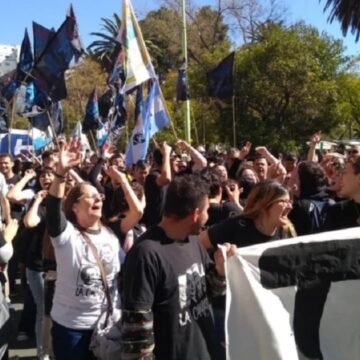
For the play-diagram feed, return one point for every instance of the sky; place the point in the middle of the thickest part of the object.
(18, 14)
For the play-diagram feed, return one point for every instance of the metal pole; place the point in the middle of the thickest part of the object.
(184, 55)
(234, 119)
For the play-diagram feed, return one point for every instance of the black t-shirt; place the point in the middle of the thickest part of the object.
(30, 242)
(240, 231)
(17, 210)
(168, 277)
(155, 197)
(342, 215)
(220, 212)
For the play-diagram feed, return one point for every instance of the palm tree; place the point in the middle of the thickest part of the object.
(107, 47)
(347, 12)
(104, 49)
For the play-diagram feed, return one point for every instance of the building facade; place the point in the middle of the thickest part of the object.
(8, 58)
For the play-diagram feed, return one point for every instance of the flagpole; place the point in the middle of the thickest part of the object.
(234, 120)
(185, 57)
(52, 129)
(12, 120)
(94, 142)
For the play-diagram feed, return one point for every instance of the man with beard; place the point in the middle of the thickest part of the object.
(167, 277)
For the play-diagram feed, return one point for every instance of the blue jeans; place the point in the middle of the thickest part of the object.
(71, 344)
(36, 283)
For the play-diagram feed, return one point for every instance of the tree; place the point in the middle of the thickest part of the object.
(286, 85)
(348, 106)
(347, 12)
(80, 82)
(103, 50)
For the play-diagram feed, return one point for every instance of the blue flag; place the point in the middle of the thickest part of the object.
(118, 118)
(74, 35)
(42, 122)
(26, 58)
(182, 90)
(220, 79)
(8, 91)
(54, 61)
(42, 36)
(92, 116)
(152, 116)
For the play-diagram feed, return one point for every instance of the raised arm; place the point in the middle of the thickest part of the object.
(15, 194)
(32, 218)
(165, 176)
(276, 170)
(199, 160)
(68, 158)
(314, 140)
(133, 216)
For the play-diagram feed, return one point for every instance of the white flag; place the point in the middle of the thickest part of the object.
(138, 66)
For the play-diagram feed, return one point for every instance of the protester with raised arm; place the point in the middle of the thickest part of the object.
(275, 170)
(199, 161)
(78, 235)
(155, 185)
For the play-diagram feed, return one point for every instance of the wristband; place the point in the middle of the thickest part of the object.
(61, 177)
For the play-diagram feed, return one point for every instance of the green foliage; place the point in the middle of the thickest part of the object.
(286, 85)
(80, 82)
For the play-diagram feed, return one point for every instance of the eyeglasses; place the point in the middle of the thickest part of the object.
(94, 196)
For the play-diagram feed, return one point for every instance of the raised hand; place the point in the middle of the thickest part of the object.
(315, 138)
(30, 174)
(41, 195)
(165, 149)
(108, 151)
(262, 150)
(182, 145)
(113, 173)
(69, 156)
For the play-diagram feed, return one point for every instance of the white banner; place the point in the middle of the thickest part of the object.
(295, 299)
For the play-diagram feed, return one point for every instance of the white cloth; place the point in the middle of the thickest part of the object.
(79, 297)
(263, 283)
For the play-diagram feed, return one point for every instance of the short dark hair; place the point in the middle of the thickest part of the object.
(141, 164)
(213, 180)
(185, 194)
(46, 155)
(312, 178)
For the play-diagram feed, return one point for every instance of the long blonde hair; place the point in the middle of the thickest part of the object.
(261, 197)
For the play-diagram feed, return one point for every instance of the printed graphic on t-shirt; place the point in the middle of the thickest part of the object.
(194, 303)
(89, 283)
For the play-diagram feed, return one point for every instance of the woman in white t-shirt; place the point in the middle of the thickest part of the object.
(79, 295)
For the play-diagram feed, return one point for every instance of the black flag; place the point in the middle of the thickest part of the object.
(220, 79)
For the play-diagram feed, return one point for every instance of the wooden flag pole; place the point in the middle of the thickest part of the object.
(234, 119)
(12, 120)
(52, 129)
(94, 142)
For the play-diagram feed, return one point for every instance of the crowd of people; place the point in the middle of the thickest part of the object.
(80, 227)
